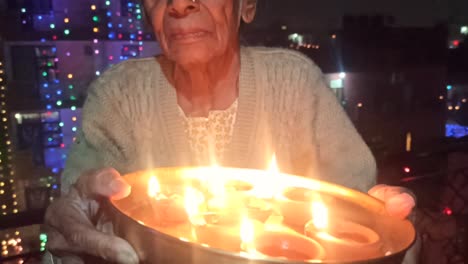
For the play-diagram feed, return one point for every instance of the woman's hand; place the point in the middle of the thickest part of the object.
(399, 201)
(70, 220)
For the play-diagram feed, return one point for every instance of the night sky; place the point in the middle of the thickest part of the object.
(327, 14)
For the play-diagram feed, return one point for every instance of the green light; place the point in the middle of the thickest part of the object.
(66, 32)
(52, 26)
(43, 244)
(95, 18)
(73, 108)
(70, 86)
(59, 103)
(73, 98)
(44, 74)
(42, 248)
(139, 17)
(50, 139)
(43, 237)
(107, 3)
(49, 64)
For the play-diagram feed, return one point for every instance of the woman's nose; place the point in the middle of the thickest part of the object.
(182, 8)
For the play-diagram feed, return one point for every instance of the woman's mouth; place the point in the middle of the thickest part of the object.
(189, 36)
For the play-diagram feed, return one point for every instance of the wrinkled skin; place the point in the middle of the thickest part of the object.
(70, 220)
(70, 226)
(201, 38)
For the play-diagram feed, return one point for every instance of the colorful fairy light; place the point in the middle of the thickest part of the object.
(7, 188)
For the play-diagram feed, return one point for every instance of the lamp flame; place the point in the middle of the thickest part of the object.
(153, 187)
(247, 231)
(192, 201)
(274, 186)
(319, 215)
(273, 167)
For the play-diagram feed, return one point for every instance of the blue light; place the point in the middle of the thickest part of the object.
(455, 131)
(449, 87)
(109, 14)
(54, 49)
(49, 107)
(39, 17)
(109, 25)
(59, 92)
(120, 25)
(111, 35)
(45, 85)
(132, 36)
(55, 170)
(47, 96)
(130, 4)
(54, 186)
(43, 40)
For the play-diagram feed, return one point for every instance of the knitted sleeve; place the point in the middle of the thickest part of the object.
(327, 134)
(103, 138)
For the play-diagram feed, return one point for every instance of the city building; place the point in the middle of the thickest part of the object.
(50, 52)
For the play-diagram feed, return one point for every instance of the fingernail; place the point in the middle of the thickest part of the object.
(127, 257)
(119, 186)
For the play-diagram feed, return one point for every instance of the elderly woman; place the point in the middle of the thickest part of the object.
(205, 99)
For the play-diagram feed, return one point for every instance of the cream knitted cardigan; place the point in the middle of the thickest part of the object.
(131, 122)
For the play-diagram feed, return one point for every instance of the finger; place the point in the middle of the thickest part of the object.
(400, 205)
(78, 236)
(56, 242)
(74, 233)
(105, 182)
(93, 242)
(378, 191)
(384, 192)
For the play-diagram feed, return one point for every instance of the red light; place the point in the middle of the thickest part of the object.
(456, 43)
(62, 145)
(120, 36)
(111, 57)
(54, 37)
(447, 211)
(407, 169)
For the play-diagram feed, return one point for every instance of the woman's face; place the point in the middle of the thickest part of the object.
(193, 32)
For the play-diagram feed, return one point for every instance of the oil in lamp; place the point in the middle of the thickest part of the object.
(168, 208)
(342, 239)
(278, 241)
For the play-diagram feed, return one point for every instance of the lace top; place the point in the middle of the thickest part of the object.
(210, 136)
